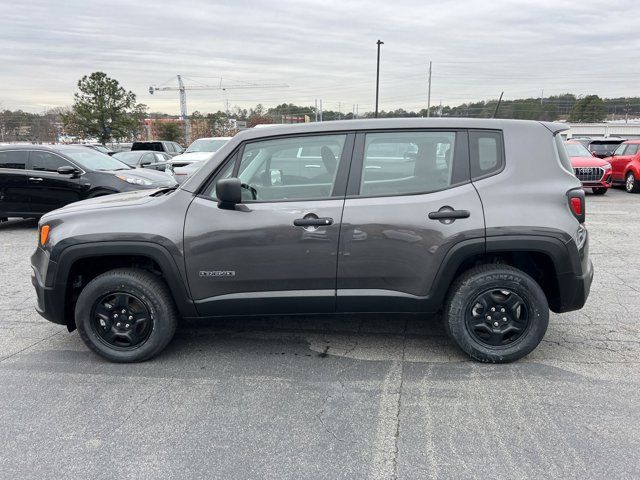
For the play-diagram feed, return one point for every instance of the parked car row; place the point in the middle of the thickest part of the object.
(35, 179)
(604, 162)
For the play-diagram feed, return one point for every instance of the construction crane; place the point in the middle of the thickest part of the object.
(182, 88)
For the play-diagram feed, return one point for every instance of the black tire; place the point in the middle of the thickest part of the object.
(146, 293)
(461, 305)
(599, 190)
(631, 184)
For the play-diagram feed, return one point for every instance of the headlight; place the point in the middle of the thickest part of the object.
(135, 181)
(607, 166)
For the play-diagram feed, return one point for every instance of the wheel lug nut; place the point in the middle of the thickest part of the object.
(495, 324)
(126, 326)
(493, 309)
(118, 324)
(488, 317)
(130, 317)
(502, 310)
(124, 311)
(504, 319)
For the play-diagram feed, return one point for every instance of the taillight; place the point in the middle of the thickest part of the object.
(577, 204)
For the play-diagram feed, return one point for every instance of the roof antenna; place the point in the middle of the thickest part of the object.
(495, 112)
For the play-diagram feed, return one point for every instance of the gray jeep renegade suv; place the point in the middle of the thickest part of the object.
(480, 219)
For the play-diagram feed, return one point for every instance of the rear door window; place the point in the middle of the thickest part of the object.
(14, 159)
(403, 163)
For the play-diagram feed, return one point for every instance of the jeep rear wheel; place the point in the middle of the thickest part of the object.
(126, 315)
(496, 313)
(631, 184)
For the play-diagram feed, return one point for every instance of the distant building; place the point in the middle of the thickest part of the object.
(610, 129)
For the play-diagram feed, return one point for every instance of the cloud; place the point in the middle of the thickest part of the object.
(322, 49)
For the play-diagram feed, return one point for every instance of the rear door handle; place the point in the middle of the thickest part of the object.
(313, 222)
(35, 179)
(449, 214)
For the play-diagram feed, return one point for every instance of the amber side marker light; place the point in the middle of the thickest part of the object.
(44, 234)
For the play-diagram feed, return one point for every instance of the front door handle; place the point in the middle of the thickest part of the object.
(35, 179)
(313, 222)
(449, 214)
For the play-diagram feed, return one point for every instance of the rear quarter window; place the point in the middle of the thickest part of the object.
(486, 149)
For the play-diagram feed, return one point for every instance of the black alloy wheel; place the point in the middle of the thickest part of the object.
(497, 318)
(122, 320)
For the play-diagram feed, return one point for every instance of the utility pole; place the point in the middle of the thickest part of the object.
(353, 112)
(316, 109)
(320, 109)
(429, 94)
(378, 75)
(541, 96)
(339, 111)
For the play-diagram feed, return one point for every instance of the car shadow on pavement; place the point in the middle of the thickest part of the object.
(19, 224)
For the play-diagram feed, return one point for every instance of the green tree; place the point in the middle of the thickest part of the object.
(169, 131)
(588, 109)
(103, 109)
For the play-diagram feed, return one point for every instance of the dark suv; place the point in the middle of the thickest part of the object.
(480, 219)
(170, 148)
(35, 179)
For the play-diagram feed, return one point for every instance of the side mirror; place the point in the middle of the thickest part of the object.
(229, 192)
(67, 170)
(146, 163)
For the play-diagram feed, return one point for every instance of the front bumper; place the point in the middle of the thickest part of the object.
(604, 182)
(50, 301)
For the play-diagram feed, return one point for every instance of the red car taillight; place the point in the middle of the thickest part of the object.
(577, 204)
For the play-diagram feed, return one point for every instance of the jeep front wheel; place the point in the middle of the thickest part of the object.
(126, 315)
(496, 313)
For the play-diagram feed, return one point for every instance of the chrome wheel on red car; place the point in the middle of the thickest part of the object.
(631, 185)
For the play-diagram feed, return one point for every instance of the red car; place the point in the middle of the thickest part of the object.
(625, 163)
(593, 172)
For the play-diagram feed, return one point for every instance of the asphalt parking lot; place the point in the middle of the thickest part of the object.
(339, 398)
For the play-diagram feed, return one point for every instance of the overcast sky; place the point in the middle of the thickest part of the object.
(321, 49)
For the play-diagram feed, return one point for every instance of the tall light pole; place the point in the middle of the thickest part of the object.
(378, 75)
(429, 94)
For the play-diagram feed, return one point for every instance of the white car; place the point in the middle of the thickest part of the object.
(200, 150)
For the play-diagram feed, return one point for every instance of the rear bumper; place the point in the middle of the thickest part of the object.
(574, 290)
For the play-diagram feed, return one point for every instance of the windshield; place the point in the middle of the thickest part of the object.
(577, 150)
(94, 160)
(205, 145)
(130, 158)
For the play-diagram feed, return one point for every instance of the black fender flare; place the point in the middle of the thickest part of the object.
(172, 274)
(564, 262)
